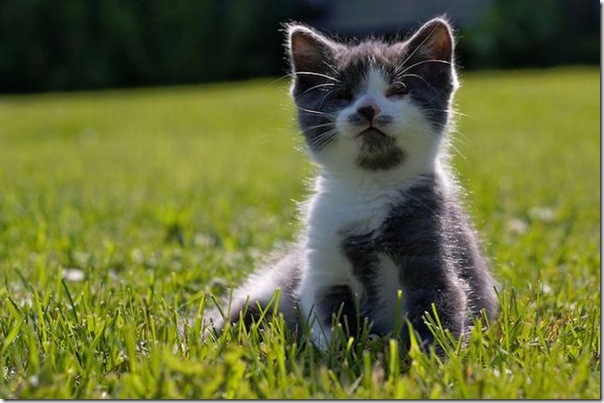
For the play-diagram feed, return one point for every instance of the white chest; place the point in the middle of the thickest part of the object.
(334, 214)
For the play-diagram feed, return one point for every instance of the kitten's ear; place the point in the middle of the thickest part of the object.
(308, 50)
(433, 41)
(430, 54)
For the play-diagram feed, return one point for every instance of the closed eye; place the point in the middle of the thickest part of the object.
(398, 90)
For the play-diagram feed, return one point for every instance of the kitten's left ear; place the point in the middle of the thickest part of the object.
(433, 41)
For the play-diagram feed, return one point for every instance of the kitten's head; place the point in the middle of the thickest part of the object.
(373, 105)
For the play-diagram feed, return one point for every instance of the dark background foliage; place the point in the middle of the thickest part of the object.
(535, 33)
(92, 44)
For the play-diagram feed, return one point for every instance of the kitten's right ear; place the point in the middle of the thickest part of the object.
(309, 51)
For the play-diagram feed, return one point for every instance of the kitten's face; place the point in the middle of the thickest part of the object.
(373, 106)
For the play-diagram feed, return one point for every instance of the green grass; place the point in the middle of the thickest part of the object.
(120, 212)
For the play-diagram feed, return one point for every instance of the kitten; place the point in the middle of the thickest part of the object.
(385, 215)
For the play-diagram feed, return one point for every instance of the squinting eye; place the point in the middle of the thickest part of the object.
(397, 91)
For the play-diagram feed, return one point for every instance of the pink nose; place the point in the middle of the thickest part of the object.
(368, 108)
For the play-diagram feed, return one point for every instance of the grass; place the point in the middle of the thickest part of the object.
(121, 212)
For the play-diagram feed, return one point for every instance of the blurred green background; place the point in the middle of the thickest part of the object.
(75, 44)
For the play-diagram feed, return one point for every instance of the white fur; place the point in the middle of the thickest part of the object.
(349, 200)
(259, 287)
(388, 285)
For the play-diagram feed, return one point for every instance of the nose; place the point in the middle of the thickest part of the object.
(369, 109)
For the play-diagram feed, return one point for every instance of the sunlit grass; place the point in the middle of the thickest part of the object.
(121, 211)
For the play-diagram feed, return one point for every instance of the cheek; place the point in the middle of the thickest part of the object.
(342, 122)
(407, 118)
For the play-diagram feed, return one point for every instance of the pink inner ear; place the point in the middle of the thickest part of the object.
(307, 51)
(303, 45)
(434, 40)
(441, 42)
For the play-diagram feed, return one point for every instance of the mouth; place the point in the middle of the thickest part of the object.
(373, 140)
(372, 132)
(378, 151)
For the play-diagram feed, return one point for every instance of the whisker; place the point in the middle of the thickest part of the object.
(451, 111)
(324, 98)
(412, 75)
(311, 111)
(399, 82)
(332, 68)
(309, 73)
(319, 126)
(462, 138)
(318, 86)
(323, 138)
(457, 150)
(423, 62)
(465, 115)
(279, 79)
(421, 78)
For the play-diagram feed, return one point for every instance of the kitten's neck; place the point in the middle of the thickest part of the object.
(333, 180)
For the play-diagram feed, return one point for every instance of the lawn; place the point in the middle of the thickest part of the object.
(122, 212)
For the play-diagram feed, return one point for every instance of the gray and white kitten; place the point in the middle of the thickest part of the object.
(385, 214)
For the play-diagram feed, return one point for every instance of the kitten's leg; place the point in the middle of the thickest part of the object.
(320, 303)
(425, 283)
(327, 285)
(332, 302)
(311, 314)
(338, 302)
(420, 304)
